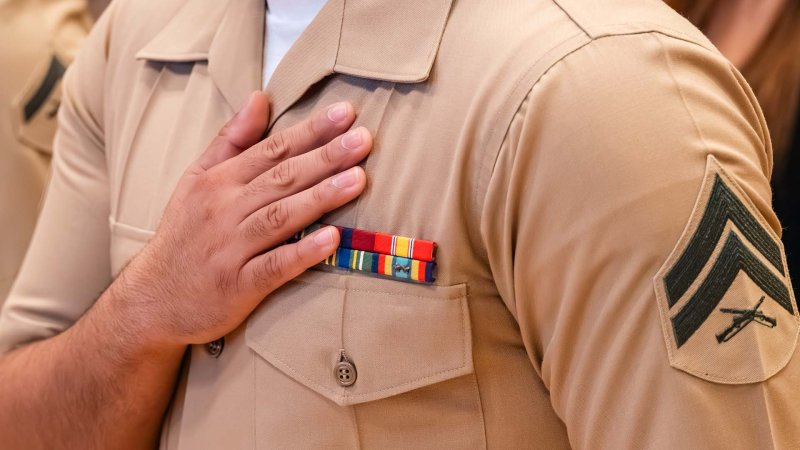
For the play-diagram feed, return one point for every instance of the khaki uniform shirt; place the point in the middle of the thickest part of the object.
(595, 175)
(38, 38)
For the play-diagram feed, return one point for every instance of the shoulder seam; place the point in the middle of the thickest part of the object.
(572, 19)
(591, 39)
(522, 91)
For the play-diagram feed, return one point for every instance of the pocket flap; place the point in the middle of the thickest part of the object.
(399, 336)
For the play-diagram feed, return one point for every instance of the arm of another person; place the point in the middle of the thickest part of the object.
(605, 175)
(89, 365)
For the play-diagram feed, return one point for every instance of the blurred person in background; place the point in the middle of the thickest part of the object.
(595, 176)
(762, 39)
(38, 39)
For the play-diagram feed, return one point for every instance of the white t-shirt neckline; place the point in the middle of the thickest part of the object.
(285, 21)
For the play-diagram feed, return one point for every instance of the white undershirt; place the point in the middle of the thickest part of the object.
(284, 23)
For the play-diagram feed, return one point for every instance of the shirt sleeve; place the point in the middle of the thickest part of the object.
(46, 36)
(600, 179)
(67, 265)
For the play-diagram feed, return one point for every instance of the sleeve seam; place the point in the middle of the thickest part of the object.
(670, 70)
(529, 92)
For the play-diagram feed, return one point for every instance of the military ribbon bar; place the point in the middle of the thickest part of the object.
(386, 244)
(379, 253)
(388, 265)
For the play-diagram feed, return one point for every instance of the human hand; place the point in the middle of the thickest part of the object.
(218, 249)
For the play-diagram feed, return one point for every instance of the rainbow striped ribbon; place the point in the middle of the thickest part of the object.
(388, 265)
(379, 253)
(387, 244)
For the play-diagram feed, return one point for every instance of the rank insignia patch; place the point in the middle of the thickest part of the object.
(35, 108)
(727, 309)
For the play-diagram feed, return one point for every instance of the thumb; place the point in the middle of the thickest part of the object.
(244, 130)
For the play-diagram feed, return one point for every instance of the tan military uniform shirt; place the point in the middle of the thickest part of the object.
(38, 38)
(564, 154)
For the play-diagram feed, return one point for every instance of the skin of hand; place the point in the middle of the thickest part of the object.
(218, 252)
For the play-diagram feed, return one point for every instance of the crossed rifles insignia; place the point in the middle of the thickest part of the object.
(728, 253)
(743, 318)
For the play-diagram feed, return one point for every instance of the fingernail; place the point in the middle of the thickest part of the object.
(324, 238)
(353, 139)
(337, 112)
(346, 179)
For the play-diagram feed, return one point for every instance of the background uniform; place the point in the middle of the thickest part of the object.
(565, 156)
(38, 39)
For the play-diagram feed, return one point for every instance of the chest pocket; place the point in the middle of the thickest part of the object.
(398, 336)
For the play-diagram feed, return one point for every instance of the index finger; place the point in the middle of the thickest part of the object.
(323, 126)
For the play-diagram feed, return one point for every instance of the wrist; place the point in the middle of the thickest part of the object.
(123, 318)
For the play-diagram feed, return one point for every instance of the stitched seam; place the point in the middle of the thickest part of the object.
(481, 415)
(655, 28)
(678, 35)
(468, 348)
(380, 76)
(341, 27)
(414, 381)
(668, 61)
(572, 18)
(401, 77)
(429, 58)
(770, 370)
(119, 183)
(130, 231)
(354, 415)
(341, 323)
(369, 291)
(763, 133)
(746, 200)
(608, 29)
(483, 252)
(713, 167)
(465, 344)
(361, 198)
(300, 376)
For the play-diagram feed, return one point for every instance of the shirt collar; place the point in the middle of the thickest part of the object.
(386, 40)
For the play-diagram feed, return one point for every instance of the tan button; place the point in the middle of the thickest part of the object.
(345, 371)
(215, 347)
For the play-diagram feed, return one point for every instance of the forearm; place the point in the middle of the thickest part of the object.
(100, 384)
(217, 253)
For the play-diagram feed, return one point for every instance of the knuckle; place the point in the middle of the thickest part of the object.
(257, 229)
(326, 155)
(269, 271)
(224, 282)
(213, 250)
(317, 195)
(252, 189)
(205, 181)
(283, 175)
(208, 212)
(227, 129)
(272, 218)
(310, 128)
(277, 148)
(206, 207)
(276, 215)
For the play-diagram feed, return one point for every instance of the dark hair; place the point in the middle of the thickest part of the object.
(773, 71)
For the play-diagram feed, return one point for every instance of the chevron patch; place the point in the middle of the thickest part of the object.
(727, 309)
